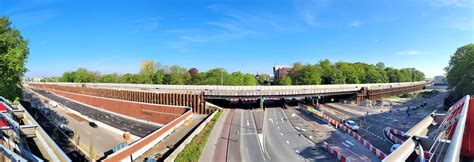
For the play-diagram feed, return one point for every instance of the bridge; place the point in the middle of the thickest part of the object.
(194, 95)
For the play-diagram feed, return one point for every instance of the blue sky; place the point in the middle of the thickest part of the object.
(251, 36)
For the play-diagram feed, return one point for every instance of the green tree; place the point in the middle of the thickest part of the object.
(148, 70)
(177, 75)
(310, 75)
(337, 77)
(284, 81)
(13, 55)
(460, 73)
(249, 79)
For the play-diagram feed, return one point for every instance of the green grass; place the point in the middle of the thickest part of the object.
(193, 150)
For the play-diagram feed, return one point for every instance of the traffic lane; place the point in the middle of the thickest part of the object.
(305, 148)
(347, 144)
(251, 148)
(280, 146)
(234, 150)
(370, 129)
(134, 127)
(298, 144)
(101, 139)
(350, 147)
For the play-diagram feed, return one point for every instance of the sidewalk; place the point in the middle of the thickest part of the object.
(210, 148)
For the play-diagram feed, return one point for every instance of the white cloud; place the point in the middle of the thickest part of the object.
(145, 24)
(411, 53)
(355, 23)
(455, 3)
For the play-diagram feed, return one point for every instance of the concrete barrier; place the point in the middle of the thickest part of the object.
(332, 150)
(198, 130)
(136, 149)
(377, 152)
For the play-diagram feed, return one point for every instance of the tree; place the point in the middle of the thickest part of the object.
(264, 79)
(309, 75)
(337, 77)
(249, 79)
(13, 55)
(177, 75)
(148, 70)
(460, 73)
(284, 81)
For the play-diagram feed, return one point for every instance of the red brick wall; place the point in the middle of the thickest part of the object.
(155, 113)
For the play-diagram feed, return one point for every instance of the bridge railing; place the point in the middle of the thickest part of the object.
(223, 88)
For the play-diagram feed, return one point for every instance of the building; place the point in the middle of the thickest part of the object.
(280, 71)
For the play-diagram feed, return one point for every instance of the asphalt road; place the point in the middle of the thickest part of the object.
(285, 143)
(320, 133)
(251, 146)
(100, 138)
(373, 124)
(134, 127)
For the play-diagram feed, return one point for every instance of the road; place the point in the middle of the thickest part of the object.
(279, 141)
(134, 127)
(373, 124)
(251, 146)
(284, 142)
(101, 139)
(320, 132)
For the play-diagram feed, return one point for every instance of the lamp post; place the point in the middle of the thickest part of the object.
(259, 91)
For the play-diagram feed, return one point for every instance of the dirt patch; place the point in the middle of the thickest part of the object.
(77, 117)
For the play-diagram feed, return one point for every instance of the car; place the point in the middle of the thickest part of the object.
(93, 125)
(352, 125)
(69, 133)
(394, 147)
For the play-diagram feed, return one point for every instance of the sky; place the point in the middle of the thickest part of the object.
(247, 35)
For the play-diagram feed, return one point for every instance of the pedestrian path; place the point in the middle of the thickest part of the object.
(210, 148)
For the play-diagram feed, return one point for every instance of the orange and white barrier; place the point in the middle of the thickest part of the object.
(332, 150)
(377, 152)
(389, 132)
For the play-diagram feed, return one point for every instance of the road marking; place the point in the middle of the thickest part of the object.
(278, 127)
(281, 134)
(288, 142)
(248, 124)
(350, 143)
(346, 145)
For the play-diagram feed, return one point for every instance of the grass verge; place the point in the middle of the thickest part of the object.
(193, 150)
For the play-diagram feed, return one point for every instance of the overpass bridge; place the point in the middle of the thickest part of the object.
(368, 91)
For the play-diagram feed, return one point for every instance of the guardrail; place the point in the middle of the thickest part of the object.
(346, 87)
(48, 145)
(181, 147)
(139, 147)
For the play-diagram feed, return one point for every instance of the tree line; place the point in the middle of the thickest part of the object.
(323, 72)
(460, 74)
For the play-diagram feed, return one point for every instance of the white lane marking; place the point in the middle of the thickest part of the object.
(346, 145)
(281, 134)
(349, 142)
(271, 120)
(288, 142)
(248, 124)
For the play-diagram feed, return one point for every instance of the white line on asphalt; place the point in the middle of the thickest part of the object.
(278, 127)
(350, 143)
(288, 142)
(281, 134)
(346, 145)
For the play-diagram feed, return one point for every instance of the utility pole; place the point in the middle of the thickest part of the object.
(222, 76)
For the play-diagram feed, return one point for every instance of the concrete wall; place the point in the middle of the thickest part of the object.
(135, 150)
